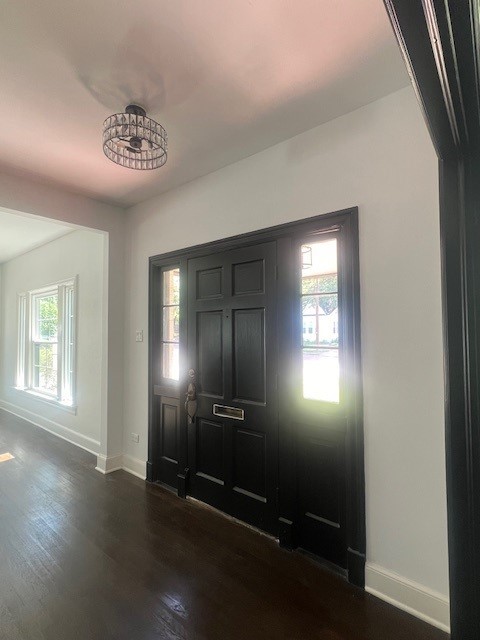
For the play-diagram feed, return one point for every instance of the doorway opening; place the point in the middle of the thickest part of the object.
(54, 326)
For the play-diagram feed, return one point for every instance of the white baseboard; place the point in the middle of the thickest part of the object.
(84, 442)
(134, 466)
(107, 464)
(414, 598)
(114, 463)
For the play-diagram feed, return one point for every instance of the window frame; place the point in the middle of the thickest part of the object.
(163, 340)
(312, 405)
(65, 394)
(35, 341)
(22, 323)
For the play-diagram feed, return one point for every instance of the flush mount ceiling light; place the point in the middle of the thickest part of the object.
(134, 141)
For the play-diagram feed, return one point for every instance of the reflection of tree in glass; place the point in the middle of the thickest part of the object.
(48, 317)
(176, 321)
(46, 354)
(47, 368)
(324, 283)
(176, 288)
(171, 287)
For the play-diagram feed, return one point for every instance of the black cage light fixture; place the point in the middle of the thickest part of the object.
(133, 140)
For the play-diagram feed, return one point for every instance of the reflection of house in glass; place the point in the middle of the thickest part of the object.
(319, 328)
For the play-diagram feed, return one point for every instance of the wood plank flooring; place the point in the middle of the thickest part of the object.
(91, 557)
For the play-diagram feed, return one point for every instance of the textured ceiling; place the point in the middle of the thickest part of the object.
(226, 79)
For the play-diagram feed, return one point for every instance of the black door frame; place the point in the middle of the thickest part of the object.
(440, 43)
(347, 221)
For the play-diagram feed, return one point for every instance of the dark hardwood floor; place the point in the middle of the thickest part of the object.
(91, 557)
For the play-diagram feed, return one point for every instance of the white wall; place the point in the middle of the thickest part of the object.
(32, 197)
(381, 159)
(80, 253)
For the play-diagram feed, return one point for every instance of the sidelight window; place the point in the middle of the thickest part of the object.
(320, 321)
(171, 327)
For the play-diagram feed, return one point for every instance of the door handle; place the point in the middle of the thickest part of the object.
(191, 398)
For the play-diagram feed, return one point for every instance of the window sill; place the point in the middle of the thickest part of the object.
(46, 400)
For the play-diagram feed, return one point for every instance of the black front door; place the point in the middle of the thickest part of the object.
(263, 331)
(231, 355)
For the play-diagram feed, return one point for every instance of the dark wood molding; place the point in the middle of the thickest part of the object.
(149, 472)
(152, 345)
(286, 534)
(440, 43)
(356, 567)
(410, 28)
(355, 489)
(327, 221)
(183, 482)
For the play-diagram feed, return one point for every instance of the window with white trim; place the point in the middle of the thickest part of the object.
(46, 342)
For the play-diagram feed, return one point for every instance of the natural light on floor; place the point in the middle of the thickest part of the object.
(6, 456)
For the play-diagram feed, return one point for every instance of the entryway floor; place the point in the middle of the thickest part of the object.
(91, 557)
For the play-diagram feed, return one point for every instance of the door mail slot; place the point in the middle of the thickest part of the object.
(228, 412)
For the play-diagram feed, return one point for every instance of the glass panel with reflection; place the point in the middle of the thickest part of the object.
(171, 358)
(320, 374)
(320, 321)
(171, 286)
(170, 324)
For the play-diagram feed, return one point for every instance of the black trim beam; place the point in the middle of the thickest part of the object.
(411, 30)
(457, 428)
(327, 221)
(439, 40)
(356, 528)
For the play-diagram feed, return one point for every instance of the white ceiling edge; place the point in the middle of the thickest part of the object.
(23, 233)
(127, 208)
(33, 177)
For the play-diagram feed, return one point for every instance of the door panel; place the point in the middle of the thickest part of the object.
(250, 464)
(210, 450)
(320, 424)
(210, 356)
(322, 493)
(209, 283)
(248, 277)
(167, 416)
(170, 429)
(232, 348)
(249, 355)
